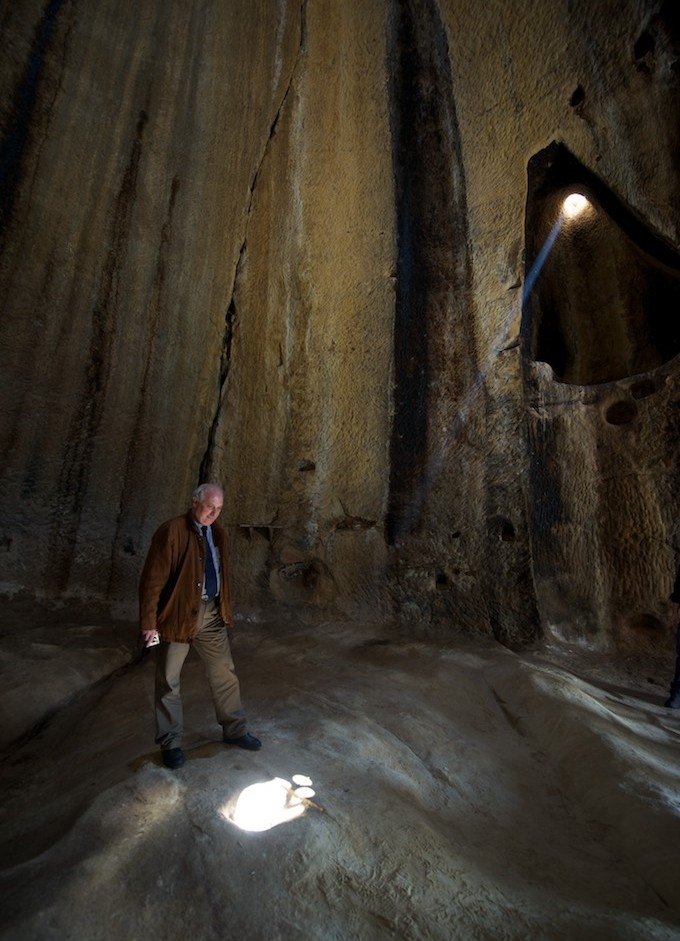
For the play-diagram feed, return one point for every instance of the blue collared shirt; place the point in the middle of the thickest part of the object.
(215, 554)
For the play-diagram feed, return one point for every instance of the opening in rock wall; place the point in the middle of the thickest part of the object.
(602, 291)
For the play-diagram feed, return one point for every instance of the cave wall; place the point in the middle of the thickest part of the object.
(283, 245)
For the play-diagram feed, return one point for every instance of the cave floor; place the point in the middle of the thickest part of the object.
(457, 791)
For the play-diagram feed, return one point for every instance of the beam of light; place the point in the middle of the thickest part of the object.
(539, 260)
(572, 206)
(267, 804)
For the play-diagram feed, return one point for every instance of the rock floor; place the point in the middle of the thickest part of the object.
(455, 792)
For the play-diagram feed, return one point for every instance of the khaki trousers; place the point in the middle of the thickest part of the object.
(212, 645)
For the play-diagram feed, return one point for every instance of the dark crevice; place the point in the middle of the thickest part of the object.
(15, 140)
(205, 470)
(431, 242)
(230, 321)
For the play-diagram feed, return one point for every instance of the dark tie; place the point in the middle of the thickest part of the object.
(210, 573)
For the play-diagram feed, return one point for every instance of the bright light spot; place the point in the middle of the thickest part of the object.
(574, 205)
(263, 806)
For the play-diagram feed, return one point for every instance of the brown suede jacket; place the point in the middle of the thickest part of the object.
(171, 580)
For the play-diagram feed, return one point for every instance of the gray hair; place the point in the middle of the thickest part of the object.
(202, 491)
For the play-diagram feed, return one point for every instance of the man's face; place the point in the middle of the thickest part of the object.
(209, 508)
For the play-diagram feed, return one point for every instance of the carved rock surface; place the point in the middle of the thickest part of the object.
(283, 246)
(458, 791)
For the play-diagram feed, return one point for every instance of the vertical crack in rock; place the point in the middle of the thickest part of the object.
(81, 439)
(205, 471)
(432, 255)
(15, 140)
(231, 317)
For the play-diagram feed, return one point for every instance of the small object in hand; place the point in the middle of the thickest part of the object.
(154, 640)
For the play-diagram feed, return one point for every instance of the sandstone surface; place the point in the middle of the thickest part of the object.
(293, 246)
(460, 791)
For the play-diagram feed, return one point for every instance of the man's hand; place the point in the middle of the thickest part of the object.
(151, 638)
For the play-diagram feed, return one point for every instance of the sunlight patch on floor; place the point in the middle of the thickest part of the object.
(265, 805)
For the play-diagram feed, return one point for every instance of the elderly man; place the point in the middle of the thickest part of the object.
(185, 601)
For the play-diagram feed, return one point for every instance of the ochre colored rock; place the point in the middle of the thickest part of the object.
(296, 248)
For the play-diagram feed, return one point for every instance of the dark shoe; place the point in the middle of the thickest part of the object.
(673, 702)
(173, 758)
(244, 741)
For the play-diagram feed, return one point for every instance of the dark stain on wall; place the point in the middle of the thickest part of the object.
(544, 483)
(432, 261)
(152, 343)
(16, 134)
(86, 420)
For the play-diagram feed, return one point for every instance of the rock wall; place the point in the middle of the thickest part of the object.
(293, 246)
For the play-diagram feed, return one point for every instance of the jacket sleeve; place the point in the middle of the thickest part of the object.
(155, 576)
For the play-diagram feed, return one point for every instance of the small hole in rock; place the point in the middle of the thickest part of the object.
(507, 532)
(643, 45)
(578, 97)
(442, 582)
(620, 413)
(640, 390)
